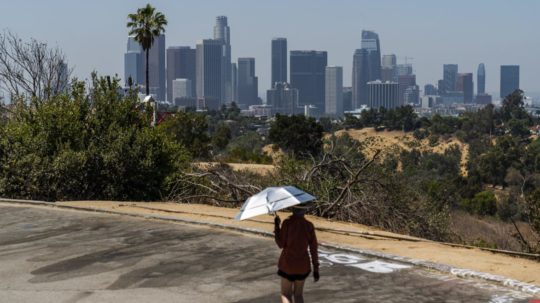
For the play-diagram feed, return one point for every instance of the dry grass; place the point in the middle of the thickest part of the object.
(261, 169)
(396, 141)
(490, 232)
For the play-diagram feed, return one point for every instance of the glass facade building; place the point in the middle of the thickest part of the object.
(509, 79)
(307, 75)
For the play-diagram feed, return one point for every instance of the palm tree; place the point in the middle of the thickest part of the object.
(145, 25)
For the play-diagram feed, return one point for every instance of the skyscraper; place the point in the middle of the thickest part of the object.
(465, 84)
(383, 94)
(279, 60)
(449, 78)
(156, 65)
(234, 82)
(283, 98)
(222, 32)
(370, 42)
(347, 98)
(63, 77)
(430, 90)
(360, 78)
(247, 82)
(404, 69)
(509, 79)
(406, 82)
(481, 79)
(181, 61)
(182, 95)
(133, 63)
(334, 91)
(133, 68)
(388, 69)
(389, 60)
(209, 73)
(307, 75)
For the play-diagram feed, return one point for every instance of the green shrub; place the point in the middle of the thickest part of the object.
(79, 147)
(483, 203)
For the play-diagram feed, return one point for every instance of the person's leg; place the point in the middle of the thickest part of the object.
(298, 291)
(286, 291)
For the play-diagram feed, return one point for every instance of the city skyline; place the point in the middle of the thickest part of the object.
(252, 34)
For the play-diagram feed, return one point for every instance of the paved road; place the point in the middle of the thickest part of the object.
(49, 255)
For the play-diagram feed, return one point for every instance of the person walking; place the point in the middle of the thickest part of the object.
(294, 237)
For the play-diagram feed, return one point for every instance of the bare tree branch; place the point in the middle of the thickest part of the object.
(31, 69)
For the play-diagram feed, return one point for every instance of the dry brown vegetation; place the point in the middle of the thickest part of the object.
(490, 232)
(392, 142)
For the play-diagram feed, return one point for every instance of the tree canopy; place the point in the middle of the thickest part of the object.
(297, 134)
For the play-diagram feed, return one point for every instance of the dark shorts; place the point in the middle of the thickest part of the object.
(293, 278)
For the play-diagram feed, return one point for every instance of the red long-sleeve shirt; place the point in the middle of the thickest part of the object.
(295, 236)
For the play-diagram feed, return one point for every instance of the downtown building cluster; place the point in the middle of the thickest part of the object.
(302, 82)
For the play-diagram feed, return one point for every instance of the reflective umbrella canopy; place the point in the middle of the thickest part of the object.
(271, 200)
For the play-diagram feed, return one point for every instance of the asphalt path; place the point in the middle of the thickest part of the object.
(51, 255)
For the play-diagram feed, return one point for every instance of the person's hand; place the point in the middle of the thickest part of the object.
(316, 276)
(277, 221)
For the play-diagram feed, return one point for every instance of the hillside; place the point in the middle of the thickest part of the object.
(396, 141)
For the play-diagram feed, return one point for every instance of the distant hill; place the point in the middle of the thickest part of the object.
(396, 141)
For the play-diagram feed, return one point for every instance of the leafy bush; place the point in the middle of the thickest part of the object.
(297, 134)
(76, 146)
(189, 129)
(483, 203)
(533, 204)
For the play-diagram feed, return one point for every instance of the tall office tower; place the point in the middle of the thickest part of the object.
(389, 68)
(247, 82)
(509, 79)
(405, 82)
(180, 65)
(389, 60)
(63, 77)
(430, 90)
(222, 32)
(156, 65)
(411, 95)
(360, 78)
(449, 78)
(483, 99)
(440, 87)
(279, 60)
(283, 98)
(370, 42)
(133, 63)
(209, 75)
(133, 46)
(481, 79)
(383, 94)
(182, 95)
(347, 98)
(334, 91)
(465, 84)
(404, 69)
(234, 82)
(307, 75)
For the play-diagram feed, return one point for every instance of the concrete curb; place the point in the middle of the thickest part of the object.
(459, 272)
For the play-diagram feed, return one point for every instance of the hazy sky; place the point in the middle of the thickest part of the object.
(433, 32)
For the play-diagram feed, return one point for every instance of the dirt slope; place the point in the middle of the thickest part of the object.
(394, 141)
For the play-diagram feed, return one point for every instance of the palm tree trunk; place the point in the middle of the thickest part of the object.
(147, 78)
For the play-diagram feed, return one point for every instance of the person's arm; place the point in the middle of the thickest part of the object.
(313, 251)
(280, 234)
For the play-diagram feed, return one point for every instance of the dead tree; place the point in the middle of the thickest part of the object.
(216, 184)
(31, 69)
